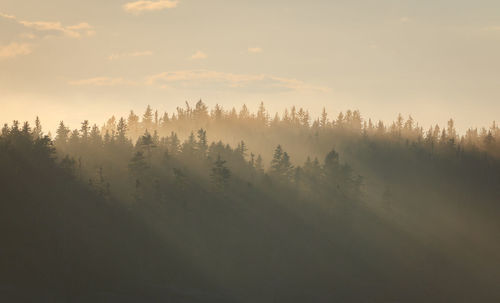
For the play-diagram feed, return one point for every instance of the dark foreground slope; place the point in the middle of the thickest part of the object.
(174, 237)
(62, 242)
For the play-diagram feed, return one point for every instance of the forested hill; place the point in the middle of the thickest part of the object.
(214, 206)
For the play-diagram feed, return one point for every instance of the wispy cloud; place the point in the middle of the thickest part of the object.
(14, 49)
(142, 6)
(491, 29)
(29, 36)
(208, 78)
(73, 31)
(7, 16)
(255, 50)
(101, 81)
(130, 55)
(404, 19)
(198, 55)
(194, 77)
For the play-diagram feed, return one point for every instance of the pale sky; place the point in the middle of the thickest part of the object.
(75, 60)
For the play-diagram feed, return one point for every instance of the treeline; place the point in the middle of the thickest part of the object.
(158, 166)
(350, 123)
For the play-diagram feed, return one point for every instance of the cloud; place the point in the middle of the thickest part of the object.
(14, 49)
(101, 81)
(199, 55)
(130, 55)
(404, 19)
(187, 78)
(29, 36)
(141, 6)
(6, 16)
(193, 79)
(492, 29)
(73, 31)
(254, 50)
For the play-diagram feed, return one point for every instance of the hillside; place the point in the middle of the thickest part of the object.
(239, 207)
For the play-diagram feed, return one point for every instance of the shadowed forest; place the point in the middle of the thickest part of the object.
(218, 205)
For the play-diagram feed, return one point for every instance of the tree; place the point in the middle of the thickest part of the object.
(340, 176)
(5, 130)
(277, 156)
(217, 112)
(241, 150)
(200, 111)
(251, 162)
(244, 113)
(85, 128)
(281, 165)
(259, 164)
(340, 119)
(220, 174)
(323, 122)
(452, 133)
(147, 119)
(95, 136)
(262, 114)
(74, 139)
(189, 147)
(68, 165)
(37, 130)
(202, 142)
(173, 144)
(146, 142)
(121, 131)
(332, 163)
(61, 134)
(138, 165)
(133, 123)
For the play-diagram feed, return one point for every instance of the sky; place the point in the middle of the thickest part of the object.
(74, 60)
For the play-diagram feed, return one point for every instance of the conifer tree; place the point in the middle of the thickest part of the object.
(220, 174)
(37, 130)
(147, 119)
(121, 131)
(61, 134)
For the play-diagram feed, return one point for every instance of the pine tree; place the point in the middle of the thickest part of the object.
(147, 119)
(242, 149)
(200, 111)
(281, 165)
(74, 139)
(61, 134)
(244, 113)
(323, 122)
(259, 164)
(173, 144)
(332, 163)
(138, 165)
(251, 162)
(37, 130)
(95, 136)
(277, 157)
(121, 131)
(133, 124)
(220, 174)
(262, 114)
(217, 112)
(85, 129)
(202, 142)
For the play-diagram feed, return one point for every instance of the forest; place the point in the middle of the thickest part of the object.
(226, 205)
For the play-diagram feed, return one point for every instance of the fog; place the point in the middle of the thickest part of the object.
(220, 204)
